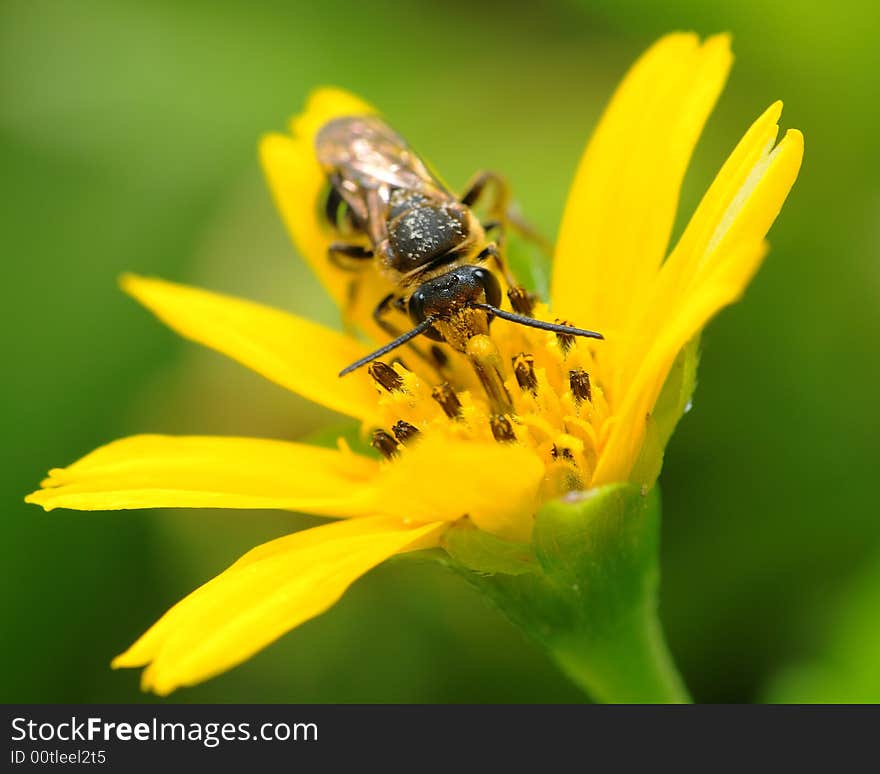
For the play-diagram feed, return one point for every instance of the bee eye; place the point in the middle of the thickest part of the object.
(489, 283)
(418, 311)
(417, 306)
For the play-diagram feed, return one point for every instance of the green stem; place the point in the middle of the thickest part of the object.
(630, 664)
(586, 589)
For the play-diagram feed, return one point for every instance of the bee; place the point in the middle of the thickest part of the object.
(425, 240)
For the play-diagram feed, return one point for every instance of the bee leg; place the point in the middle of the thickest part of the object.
(477, 186)
(379, 313)
(499, 203)
(521, 300)
(348, 257)
(382, 308)
(493, 225)
(502, 211)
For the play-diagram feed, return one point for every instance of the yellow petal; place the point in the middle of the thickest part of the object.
(699, 250)
(755, 206)
(733, 221)
(297, 354)
(265, 594)
(437, 479)
(445, 479)
(622, 205)
(156, 471)
(750, 156)
(299, 186)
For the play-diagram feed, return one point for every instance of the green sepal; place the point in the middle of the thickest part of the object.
(589, 596)
(487, 554)
(672, 403)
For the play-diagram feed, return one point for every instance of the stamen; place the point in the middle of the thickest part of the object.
(448, 400)
(404, 431)
(579, 380)
(501, 428)
(521, 300)
(566, 340)
(384, 444)
(558, 452)
(524, 370)
(385, 376)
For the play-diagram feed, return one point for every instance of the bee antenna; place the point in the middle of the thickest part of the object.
(531, 322)
(392, 345)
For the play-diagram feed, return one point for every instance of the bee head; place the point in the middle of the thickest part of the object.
(457, 289)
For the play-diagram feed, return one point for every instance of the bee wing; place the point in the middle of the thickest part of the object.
(366, 153)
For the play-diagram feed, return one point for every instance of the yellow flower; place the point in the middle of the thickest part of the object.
(565, 413)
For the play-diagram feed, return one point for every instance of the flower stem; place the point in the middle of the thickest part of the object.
(629, 664)
(588, 593)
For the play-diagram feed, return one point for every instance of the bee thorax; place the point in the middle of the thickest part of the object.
(421, 235)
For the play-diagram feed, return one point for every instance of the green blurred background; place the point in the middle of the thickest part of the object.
(128, 134)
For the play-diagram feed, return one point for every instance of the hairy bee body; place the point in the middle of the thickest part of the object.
(413, 223)
(394, 214)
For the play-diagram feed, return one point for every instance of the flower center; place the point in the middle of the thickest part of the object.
(534, 388)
